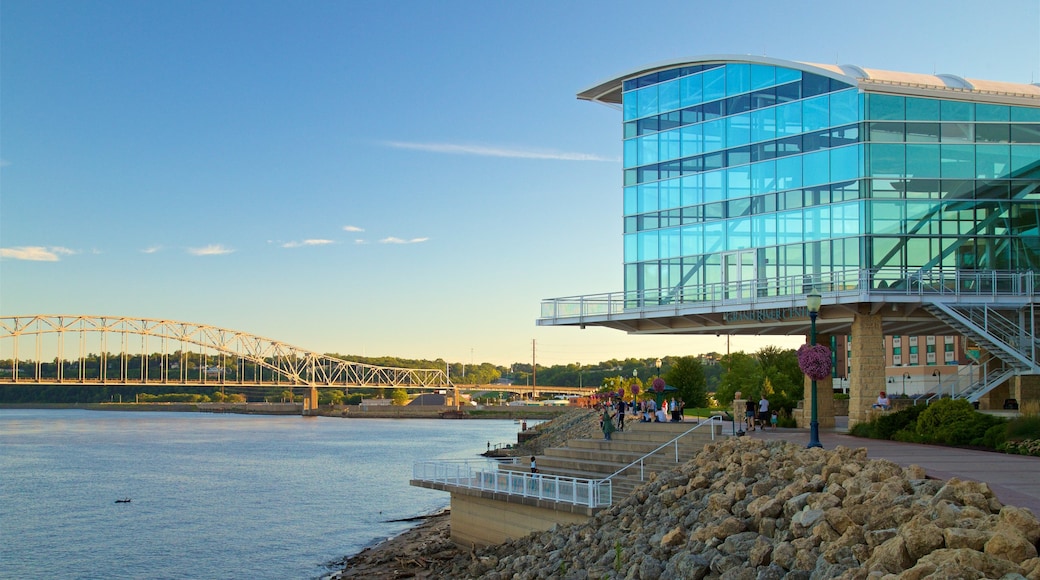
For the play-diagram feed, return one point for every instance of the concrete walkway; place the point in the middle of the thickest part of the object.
(1015, 479)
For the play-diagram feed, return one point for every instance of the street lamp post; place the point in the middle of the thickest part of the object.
(938, 381)
(812, 303)
(905, 377)
(657, 363)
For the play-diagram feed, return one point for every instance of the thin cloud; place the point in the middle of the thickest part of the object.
(353, 229)
(151, 250)
(210, 250)
(485, 151)
(4, 163)
(36, 253)
(393, 240)
(360, 241)
(305, 243)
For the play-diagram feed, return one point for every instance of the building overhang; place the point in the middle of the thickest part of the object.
(866, 79)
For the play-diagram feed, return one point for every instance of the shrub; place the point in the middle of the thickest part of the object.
(952, 422)
(886, 426)
(1022, 428)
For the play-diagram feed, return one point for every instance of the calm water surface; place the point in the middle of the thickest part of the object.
(214, 496)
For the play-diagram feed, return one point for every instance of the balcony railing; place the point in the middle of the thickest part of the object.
(982, 284)
(486, 476)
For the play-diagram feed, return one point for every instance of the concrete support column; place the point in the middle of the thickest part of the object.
(867, 366)
(824, 396)
(310, 401)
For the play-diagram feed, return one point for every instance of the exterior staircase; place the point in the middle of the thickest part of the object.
(1008, 335)
(629, 458)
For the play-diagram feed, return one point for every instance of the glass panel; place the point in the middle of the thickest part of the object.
(647, 98)
(887, 160)
(714, 135)
(670, 194)
(789, 119)
(668, 145)
(714, 84)
(692, 189)
(844, 107)
(785, 75)
(668, 95)
(670, 243)
(763, 177)
(887, 132)
(763, 230)
(763, 124)
(992, 161)
(957, 161)
(1025, 161)
(691, 140)
(958, 133)
(738, 78)
(713, 186)
(886, 217)
(647, 245)
(813, 85)
(714, 237)
(738, 234)
(789, 92)
(789, 227)
(845, 219)
(630, 102)
(648, 197)
(886, 107)
(1029, 115)
(922, 109)
(789, 172)
(957, 111)
(762, 76)
(738, 182)
(691, 90)
(922, 132)
(922, 161)
(815, 114)
(992, 133)
(1023, 133)
(816, 168)
(692, 241)
(845, 163)
(999, 113)
(648, 149)
(738, 130)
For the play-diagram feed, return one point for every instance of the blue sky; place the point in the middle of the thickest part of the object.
(380, 178)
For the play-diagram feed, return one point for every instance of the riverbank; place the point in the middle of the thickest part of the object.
(412, 554)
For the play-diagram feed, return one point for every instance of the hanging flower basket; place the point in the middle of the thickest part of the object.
(815, 361)
(634, 388)
(658, 385)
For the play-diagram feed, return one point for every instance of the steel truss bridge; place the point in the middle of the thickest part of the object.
(118, 350)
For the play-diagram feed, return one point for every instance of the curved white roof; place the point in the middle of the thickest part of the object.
(873, 80)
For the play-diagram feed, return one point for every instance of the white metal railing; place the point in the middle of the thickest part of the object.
(485, 476)
(641, 462)
(885, 281)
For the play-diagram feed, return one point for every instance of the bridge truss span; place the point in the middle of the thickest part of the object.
(84, 349)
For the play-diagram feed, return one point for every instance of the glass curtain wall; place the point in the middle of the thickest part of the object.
(747, 180)
(739, 178)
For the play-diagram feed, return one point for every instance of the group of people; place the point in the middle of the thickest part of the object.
(647, 411)
(759, 415)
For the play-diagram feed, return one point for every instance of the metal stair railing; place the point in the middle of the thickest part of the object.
(674, 442)
(990, 328)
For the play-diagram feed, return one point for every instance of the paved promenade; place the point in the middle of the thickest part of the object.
(1015, 479)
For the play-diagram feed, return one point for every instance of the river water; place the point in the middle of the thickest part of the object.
(214, 496)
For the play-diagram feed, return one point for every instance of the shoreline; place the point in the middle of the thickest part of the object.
(410, 554)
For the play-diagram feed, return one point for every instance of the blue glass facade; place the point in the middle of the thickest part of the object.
(737, 172)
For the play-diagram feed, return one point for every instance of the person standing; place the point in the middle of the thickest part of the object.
(607, 423)
(763, 411)
(749, 414)
(621, 415)
(534, 468)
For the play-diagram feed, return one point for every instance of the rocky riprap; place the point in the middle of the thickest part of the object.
(751, 509)
(575, 424)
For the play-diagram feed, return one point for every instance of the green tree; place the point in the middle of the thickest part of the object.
(399, 397)
(780, 367)
(687, 376)
(741, 372)
(334, 396)
(287, 395)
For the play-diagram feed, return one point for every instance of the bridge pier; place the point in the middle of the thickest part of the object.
(310, 401)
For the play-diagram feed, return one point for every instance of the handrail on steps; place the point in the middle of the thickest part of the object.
(710, 421)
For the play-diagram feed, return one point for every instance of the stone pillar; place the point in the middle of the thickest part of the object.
(310, 402)
(824, 396)
(867, 376)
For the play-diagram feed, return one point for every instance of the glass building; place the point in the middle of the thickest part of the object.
(749, 182)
